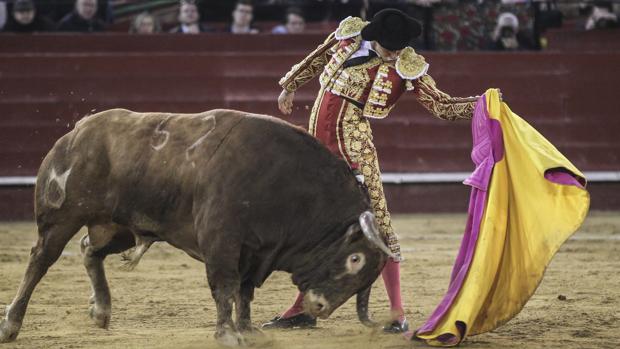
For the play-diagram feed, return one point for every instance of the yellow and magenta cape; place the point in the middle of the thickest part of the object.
(526, 200)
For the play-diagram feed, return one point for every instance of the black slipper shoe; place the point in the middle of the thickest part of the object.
(298, 321)
(397, 327)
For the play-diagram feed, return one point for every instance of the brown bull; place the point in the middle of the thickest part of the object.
(245, 194)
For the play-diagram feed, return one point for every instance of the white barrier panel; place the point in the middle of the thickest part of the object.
(387, 178)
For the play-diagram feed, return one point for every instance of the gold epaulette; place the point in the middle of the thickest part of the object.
(410, 65)
(350, 27)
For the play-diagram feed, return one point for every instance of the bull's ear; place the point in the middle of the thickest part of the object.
(354, 232)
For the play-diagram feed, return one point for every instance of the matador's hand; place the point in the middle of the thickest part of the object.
(285, 102)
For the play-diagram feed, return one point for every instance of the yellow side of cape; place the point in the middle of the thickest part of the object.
(525, 221)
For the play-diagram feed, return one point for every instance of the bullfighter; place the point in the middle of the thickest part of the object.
(364, 68)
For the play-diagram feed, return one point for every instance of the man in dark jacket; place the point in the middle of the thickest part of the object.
(82, 19)
(189, 19)
(25, 19)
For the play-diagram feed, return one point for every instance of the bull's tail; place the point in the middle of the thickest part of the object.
(131, 259)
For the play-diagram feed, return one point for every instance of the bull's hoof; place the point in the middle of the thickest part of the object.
(8, 331)
(253, 330)
(370, 323)
(101, 318)
(229, 338)
(255, 338)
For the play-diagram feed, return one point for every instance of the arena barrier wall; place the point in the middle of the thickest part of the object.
(49, 82)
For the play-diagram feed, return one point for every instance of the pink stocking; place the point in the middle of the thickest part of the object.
(296, 308)
(391, 279)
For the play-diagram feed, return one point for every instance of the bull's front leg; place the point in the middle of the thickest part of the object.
(224, 286)
(246, 296)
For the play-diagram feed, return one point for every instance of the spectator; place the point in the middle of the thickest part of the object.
(242, 18)
(189, 19)
(2, 14)
(602, 16)
(506, 36)
(56, 10)
(25, 19)
(82, 18)
(145, 23)
(294, 23)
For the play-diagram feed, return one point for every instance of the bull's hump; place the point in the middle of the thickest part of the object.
(225, 116)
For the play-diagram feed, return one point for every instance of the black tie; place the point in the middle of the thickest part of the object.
(359, 60)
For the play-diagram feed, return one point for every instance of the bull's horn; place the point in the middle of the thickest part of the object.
(367, 223)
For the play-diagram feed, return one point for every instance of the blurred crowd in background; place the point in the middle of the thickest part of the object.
(450, 25)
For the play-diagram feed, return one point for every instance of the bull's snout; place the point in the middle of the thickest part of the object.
(316, 305)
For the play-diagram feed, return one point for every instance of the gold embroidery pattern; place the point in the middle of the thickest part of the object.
(371, 111)
(358, 144)
(350, 27)
(381, 87)
(376, 106)
(351, 82)
(410, 65)
(441, 104)
(310, 67)
(338, 58)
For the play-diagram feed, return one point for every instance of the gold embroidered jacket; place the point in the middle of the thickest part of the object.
(375, 85)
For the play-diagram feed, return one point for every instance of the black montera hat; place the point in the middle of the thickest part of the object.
(392, 28)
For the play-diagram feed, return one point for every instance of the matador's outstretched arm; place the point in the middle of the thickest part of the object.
(310, 67)
(441, 104)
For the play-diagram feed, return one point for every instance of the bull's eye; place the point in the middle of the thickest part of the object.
(355, 263)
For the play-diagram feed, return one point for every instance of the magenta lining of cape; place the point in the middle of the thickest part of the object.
(488, 148)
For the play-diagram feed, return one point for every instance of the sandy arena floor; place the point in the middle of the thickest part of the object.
(165, 301)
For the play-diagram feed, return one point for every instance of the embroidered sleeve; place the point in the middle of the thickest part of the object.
(310, 67)
(441, 104)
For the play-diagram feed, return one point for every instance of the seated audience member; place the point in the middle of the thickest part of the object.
(242, 18)
(2, 14)
(25, 19)
(82, 18)
(55, 10)
(189, 19)
(506, 36)
(145, 23)
(294, 23)
(602, 16)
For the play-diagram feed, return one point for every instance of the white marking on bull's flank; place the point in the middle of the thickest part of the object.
(62, 179)
(159, 133)
(61, 183)
(190, 149)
